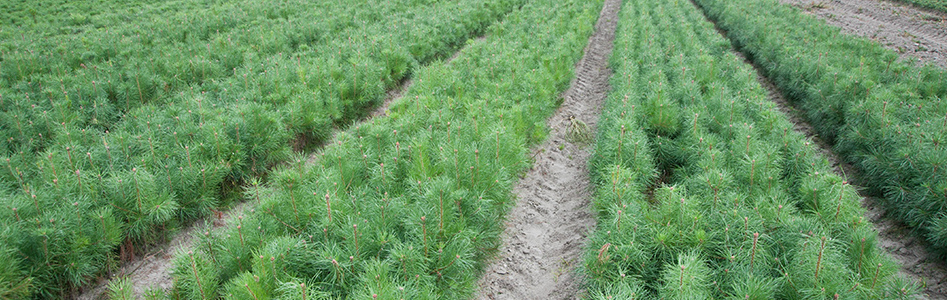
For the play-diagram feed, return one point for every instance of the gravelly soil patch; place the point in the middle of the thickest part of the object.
(547, 229)
(915, 33)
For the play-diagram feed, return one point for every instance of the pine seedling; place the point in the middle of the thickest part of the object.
(630, 289)
(154, 293)
(817, 268)
(120, 289)
(196, 276)
(900, 287)
(686, 279)
(752, 286)
(13, 282)
(247, 286)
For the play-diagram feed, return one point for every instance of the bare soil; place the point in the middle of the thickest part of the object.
(915, 33)
(547, 229)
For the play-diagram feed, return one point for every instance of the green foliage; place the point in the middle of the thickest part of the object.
(742, 206)
(14, 284)
(404, 206)
(120, 289)
(883, 116)
(127, 119)
(686, 279)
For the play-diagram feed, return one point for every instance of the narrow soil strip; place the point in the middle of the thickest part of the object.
(894, 237)
(393, 94)
(912, 32)
(547, 228)
(153, 270)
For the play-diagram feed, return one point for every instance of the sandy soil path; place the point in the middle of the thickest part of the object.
(547, 229)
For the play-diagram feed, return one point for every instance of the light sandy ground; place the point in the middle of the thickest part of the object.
(547, 229)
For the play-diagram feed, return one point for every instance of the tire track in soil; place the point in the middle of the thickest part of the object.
(893, 236)
(910, 31)
(154, 268)
(547, 229)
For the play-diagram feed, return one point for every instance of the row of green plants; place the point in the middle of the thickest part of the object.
(886, 117)
(406, 206)
(940, 5)
(703, 190)
(92, 175)
(63, 12)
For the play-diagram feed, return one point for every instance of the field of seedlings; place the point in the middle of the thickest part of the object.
(124, 123)
(704, 189)
(404, 207)
(116, 131)
(885, 117)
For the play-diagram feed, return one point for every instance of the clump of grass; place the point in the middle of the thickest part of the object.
(579, 132)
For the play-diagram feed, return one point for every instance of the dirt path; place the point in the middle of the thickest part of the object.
(912, 32)
(546, 230)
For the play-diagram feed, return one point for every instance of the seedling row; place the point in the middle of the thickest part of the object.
(703, 188)
(116, 128)
(885, 117)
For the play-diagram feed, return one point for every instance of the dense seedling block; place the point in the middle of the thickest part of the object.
(885, 117)
(122, 121)
(723, 200)
(406, 206)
